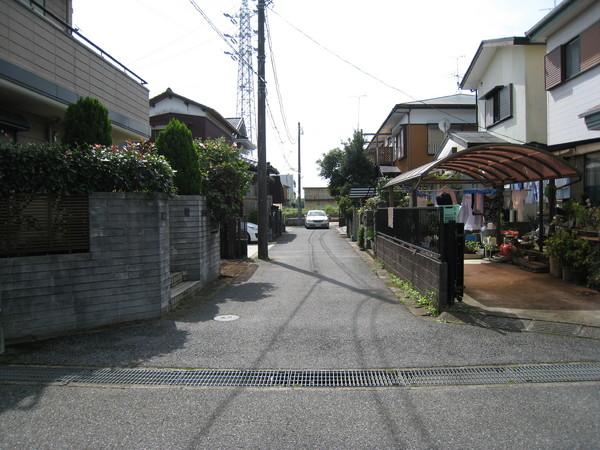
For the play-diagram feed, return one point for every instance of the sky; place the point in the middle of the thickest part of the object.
(412, 47)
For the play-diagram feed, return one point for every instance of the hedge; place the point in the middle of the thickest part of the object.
(44, 168)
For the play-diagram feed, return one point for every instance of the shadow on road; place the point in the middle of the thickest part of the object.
(373, 293)
(205, 306)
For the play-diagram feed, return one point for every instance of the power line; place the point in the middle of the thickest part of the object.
(224, 38)
(276, 80)
(384, 83)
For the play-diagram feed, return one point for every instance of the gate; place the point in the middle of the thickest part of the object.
(234, 239)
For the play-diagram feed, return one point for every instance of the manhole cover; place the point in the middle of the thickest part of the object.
(226, 317)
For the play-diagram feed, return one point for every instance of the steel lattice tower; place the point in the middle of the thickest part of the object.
(245, 84)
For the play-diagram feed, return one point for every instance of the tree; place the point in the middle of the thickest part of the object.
(224, 177)
(347, 168)
(86, 122)
(175, 142)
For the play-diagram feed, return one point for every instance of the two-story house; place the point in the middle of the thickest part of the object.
(46, 64)
(570, 35)
(413, 132)
(203, 121)
(506, 75)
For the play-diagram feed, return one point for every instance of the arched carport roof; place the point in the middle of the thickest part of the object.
(494, 164)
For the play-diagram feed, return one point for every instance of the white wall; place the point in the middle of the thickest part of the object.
(576, 96)
(433, 115)
(523, 66)
(176, 105)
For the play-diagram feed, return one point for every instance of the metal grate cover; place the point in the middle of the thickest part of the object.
(265, 378)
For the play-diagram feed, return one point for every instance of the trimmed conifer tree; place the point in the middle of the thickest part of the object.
(175, 142)
(86, 122)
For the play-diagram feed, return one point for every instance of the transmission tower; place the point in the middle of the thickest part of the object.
(245, 57)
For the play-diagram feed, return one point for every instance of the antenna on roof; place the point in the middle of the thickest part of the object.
(457, 73)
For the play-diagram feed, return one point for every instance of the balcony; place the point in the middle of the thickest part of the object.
(45, 65)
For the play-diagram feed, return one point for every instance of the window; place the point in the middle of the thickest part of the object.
(435, 137)
(572, 59)
(592, 177)
(399, 144)
(498, 105)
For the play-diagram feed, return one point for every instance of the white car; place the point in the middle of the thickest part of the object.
(252, 232)
(316, 218)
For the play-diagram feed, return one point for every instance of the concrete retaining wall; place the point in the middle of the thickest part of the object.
(194, 243)
(124, 277)
(426, 273)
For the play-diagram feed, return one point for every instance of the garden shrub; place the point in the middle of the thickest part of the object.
(45, 168)
(361, 237)
(224, 177)
(175, 142)
(86, 122)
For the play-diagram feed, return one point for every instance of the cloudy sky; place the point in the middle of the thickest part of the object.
(412, 47)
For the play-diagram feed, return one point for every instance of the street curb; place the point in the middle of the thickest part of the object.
(489, 321)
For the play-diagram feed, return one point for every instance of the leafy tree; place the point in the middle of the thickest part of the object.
(347, 168)
(175, 142)
(224, 177)
(86, 122)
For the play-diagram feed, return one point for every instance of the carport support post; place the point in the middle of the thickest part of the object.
(551, 204)
(500, 208)
(541, 215)
(414, 198)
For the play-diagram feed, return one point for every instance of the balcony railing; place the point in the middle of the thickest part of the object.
(57, 21)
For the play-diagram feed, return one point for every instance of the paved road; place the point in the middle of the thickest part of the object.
(316, 304)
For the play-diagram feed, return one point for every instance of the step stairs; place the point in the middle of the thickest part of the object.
(182, 289)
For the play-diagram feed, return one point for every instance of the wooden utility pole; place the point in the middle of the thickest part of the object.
(299, 175)
(263, 213)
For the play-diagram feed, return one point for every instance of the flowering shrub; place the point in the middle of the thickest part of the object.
(44, 168)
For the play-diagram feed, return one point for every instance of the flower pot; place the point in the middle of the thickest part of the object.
(555, 266)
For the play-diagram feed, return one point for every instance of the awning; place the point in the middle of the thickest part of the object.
(493, 164)
(389, 170)
(362, 192)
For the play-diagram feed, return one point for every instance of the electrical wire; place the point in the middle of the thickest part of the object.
(384, 83)
(276, 81)
(222, 36)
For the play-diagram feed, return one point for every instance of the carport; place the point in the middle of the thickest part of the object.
(534, 296)
(494, 165)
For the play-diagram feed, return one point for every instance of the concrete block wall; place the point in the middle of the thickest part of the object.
(426, 273)
(194, 242)
(124, 277)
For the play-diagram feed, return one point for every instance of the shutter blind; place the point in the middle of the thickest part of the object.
(590, 46)
(552, 68)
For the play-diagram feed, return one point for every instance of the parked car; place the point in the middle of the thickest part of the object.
(252, 232)
(316, 218)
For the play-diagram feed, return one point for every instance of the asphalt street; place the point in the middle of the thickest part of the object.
(315, 305)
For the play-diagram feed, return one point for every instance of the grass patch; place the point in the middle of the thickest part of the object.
(427, 301)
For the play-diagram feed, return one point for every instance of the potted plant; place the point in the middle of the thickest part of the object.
(555, 248)
(575, 259)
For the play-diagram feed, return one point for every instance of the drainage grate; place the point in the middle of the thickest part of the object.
(441, 376)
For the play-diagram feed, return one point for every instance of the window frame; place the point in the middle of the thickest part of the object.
(493, 97)
(565, 76)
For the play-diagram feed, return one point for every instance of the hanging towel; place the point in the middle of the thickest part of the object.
(518, 201)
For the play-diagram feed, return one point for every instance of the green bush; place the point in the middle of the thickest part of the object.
(86, 122)
(175, 142)
(361, 237)
(44, 168)
(224, 177)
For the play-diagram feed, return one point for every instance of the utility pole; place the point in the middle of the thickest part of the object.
(263, 214)
(299, 175)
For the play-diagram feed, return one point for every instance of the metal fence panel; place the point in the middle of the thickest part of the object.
(32, 224)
